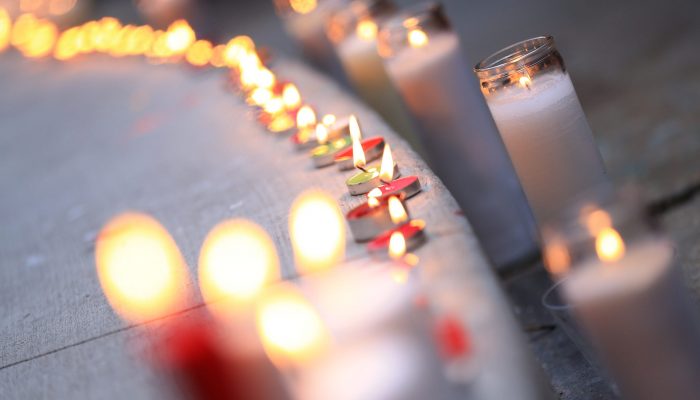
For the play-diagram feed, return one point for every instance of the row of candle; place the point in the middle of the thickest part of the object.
(144, 276)
(617, 276)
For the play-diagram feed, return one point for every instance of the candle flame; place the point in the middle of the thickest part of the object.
(417, 38)
(306, 118)
(557, 258)
(609, 245)
(274, 106)
(386, 171)
(596, 220)
(358, 153)
(237, 260)
(140, 268)
(179, 36)
(367, 29)
(525, 81)
(303, 6)
(199, 53)
(317, 231)
(141, 40)
(5, 29)
(373, 202)
(265, 78)
(67, 46)
(217, 56)
(237, 49)
(321, 134)
(23, 29)
(41, 41)
(260, 96)
(291, 96)
(397, 245)
(103, 37)
(328, 120)
(290, 328)
(397, 212)
(375, 193)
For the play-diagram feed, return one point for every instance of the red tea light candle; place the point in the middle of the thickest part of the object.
(372, 177)
(406, 187)
(412, 231)
(371, 219)
(367, 150)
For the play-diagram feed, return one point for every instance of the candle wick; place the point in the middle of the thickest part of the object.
(361, 168)
(383, 181)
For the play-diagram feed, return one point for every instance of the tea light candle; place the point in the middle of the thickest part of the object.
(324, 155)
(372, 177)
(370, 219)
(404, 187)
(370, 149)
(423, 57)
(324, 132)
(542, 124)
(412, 231)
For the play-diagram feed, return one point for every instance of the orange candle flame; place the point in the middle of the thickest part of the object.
(386, 171)
(303, 6)
(5, 29)
(367, 29)
(358, 153)
(321, 134)
(397, 212)
(609, 245)
(397, 245)
(306, 118)
(179, 37)
(291, 96)
(417, 38)
(199, 53)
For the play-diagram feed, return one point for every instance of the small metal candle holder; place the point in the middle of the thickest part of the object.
(366, 222)
(368, 179)
(406, 187)
(324, 155)
(413, 232)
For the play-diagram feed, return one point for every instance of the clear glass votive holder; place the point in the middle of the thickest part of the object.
(425, 61)
(535, 106)
(617, 276)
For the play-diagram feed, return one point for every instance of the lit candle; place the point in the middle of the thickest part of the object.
(412, 232)
(626, 291)
(372, 177)
(371, 148)
(353, 30)
(423, 57)
(542, 124)
(305, 21)
(370, 219)
(404, 187)
(5, 29)
(305, 136)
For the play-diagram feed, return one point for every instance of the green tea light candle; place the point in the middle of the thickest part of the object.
(324, 155)
(373, 177)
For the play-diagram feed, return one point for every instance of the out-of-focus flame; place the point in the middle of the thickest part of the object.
(199, 53)
(179, 36)
(141, 40)
(260, 96)
(321, 134)
(120, 42)
(67, 46)
(358, 153)
(375, 193)
(265, 78)
(557, 258)
(596, 220)
(41, 41)
(303, 6)
(367, 29)
(23, 30)
(397, 212)
(274, 105)
(61, 7)
(609, 245)
(5, 29)
(105, 36)
(217, 56)
(397, 245)
(291, 96)
(417, 38)
(372, 202)
(317, 231)
(140, 268)
(250, 66)
(237, 49)
(386, 171)
(237, 260)
(306, 118)
(525, 81)
(159, 49)
(289, 327)
(328, 120)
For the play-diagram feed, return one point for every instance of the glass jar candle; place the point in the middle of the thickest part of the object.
(305, 21)
(353, 30)
(423, 57)
(619, 278)
(540, 118)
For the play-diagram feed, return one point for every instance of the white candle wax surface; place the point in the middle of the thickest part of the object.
(636, 314)
(549, 141)
(466, 148)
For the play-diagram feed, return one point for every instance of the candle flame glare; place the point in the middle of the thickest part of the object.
(290, 328)
(321, 133)
(376, 193)
(237, 49)
(260, 96)
(66, 46)
(397, 245)
(179, 36)
(386, 171)
(306, 118)
(372, 202)
(265, 78)
(5, 29)
(367, 29)
(303, 6)
(557, 258)
(141, 40)
(140, 268)
(23, 29)
(397, 212)
(609, 245)
(274, 105)
(106, 35)
(417, 38)
(525, 81)
(328, 120)
(199, 53)
(217, 56)
(596, 220)
(358, 153)
(317, 231)
(291, 96)
(236, 261)
(42, 40)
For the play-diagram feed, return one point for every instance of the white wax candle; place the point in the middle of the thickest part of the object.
(464, 145)
(636, 314)
(365, 70)
(549, 141)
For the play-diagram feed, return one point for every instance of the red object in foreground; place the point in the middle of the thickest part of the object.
(452, 338)
(413, 232)
(190, 352)
(404, 187)
(369, 146)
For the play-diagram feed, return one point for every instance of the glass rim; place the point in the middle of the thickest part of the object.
(523, 53)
